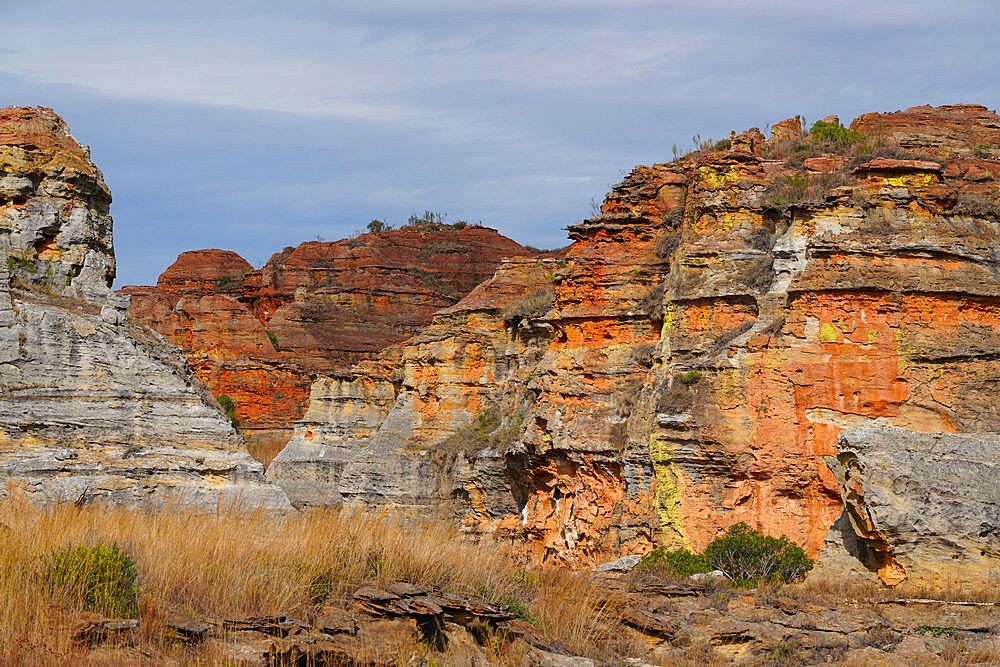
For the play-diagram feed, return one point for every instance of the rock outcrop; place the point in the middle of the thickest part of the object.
(55, 206)
(711, 332)
(925, 506)
(376, 437)
(92, 407)
(260, 337)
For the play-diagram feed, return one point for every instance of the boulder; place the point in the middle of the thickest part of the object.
(925, 505)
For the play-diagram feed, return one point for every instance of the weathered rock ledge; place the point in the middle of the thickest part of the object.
(260, 337)
(697, 349)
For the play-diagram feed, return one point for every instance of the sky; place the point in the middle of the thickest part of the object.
(250, 125)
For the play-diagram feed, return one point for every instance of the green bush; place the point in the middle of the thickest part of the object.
(679, 561)
(229, 408)
(487, 429)
(273, 338)
(376, 226)
(692, 376)
(749, 558)
(103, 578)
(746, 556)
(835, 134)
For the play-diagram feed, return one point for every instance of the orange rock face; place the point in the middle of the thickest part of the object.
(710, 334)
(950, 130)
(260, 336)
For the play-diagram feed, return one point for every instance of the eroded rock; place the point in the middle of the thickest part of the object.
(925, 505)
(91, 407)
(261, 336)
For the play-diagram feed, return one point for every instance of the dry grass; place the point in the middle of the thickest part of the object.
(228, 564)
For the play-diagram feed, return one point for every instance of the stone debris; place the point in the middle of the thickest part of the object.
(188, 628)
(93, 628)
(623, 564)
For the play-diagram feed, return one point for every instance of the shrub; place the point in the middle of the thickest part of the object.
(376, 226)
(692, 376)
(680, 562)
(976, 206)
(749, 558)
(982, 150)
(803, 188)
(487, 429)
(274, 341)
(103, 578)
(232, 280)
(532, 306)
(746, 556)
(442, 248)
(835, 134)
(229, 408)
(428, 219)
(789, 189)
(432, 280)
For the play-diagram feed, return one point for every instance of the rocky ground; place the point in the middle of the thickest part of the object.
(659, 623)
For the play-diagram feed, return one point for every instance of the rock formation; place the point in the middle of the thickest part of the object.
(260, 337)
(711, 332)
(92, 407)
(925, 506)
(376, 437)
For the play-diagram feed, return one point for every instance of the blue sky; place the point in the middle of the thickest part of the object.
(252, 125)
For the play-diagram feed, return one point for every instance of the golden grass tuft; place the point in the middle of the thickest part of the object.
(230, 564)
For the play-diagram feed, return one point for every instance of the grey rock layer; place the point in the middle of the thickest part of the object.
(91, 409)
(926, 505)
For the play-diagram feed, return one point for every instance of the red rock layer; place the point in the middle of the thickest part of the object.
(260, 336)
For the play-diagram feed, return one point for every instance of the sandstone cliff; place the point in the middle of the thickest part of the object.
(709, 335)
(260, 336)
(92, 407)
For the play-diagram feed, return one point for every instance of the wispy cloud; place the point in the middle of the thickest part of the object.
(250, 121)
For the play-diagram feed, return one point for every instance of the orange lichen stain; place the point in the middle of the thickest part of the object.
(601, 332)
(777, 412)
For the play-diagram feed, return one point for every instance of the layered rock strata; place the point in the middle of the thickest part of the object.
(260, 337)
(377, 437)
(710, 334)
(925, 506)
(92, 407)
(54, 206)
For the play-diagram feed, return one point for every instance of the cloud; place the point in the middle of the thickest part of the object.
(256, 124)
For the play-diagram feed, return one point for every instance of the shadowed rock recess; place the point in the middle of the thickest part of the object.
(691, 358)
(92, 407)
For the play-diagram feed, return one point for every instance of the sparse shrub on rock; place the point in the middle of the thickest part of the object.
(680, 562)
(229, 408)
(532, 306)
